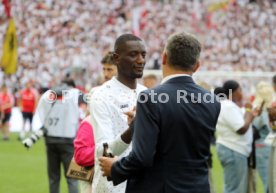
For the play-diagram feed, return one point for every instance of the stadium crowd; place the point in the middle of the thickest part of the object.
(242, 40)
(62, 37)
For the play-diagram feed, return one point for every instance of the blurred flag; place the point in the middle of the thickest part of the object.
(9, 57)
(220, 5)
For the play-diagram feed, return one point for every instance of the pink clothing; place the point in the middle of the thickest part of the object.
(84, 144)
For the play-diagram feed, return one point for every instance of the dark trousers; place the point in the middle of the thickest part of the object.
(57, 154)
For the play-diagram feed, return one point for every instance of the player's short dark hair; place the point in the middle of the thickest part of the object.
(121, 40)
(183, 51)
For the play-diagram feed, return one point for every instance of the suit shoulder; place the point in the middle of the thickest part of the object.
(156, 89)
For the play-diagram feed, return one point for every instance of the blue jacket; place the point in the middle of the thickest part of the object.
(171, 140)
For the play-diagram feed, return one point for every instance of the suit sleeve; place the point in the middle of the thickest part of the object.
(145, 139)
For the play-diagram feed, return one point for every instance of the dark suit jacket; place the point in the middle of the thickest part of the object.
(171, 141)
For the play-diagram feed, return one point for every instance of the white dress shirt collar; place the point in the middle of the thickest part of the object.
(173, 76)
(121, 85)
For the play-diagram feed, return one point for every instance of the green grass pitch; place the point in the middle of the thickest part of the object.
(24, 171)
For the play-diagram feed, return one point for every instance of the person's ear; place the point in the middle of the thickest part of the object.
(196, 67)
(164, 58)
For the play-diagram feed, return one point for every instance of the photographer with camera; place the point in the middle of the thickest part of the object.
(58, 110)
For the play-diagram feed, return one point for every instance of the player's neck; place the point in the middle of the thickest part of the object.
(129, 82)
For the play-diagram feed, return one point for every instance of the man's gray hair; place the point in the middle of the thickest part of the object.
(183, 51)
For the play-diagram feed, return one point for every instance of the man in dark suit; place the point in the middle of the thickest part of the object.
(173, 129)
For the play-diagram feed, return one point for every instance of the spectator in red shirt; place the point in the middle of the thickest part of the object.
(28, 98)
(6, 104)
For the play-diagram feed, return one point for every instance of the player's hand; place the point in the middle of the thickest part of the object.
(256, 112)
(131, 115)
(106, 165)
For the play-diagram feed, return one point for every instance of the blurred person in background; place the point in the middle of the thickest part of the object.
(109, 68)
(6, 104)
(263, 100)
(272, 140)
(234, 137)
(27, 99)
(83, 107)
(58, 110)
(150, 80)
